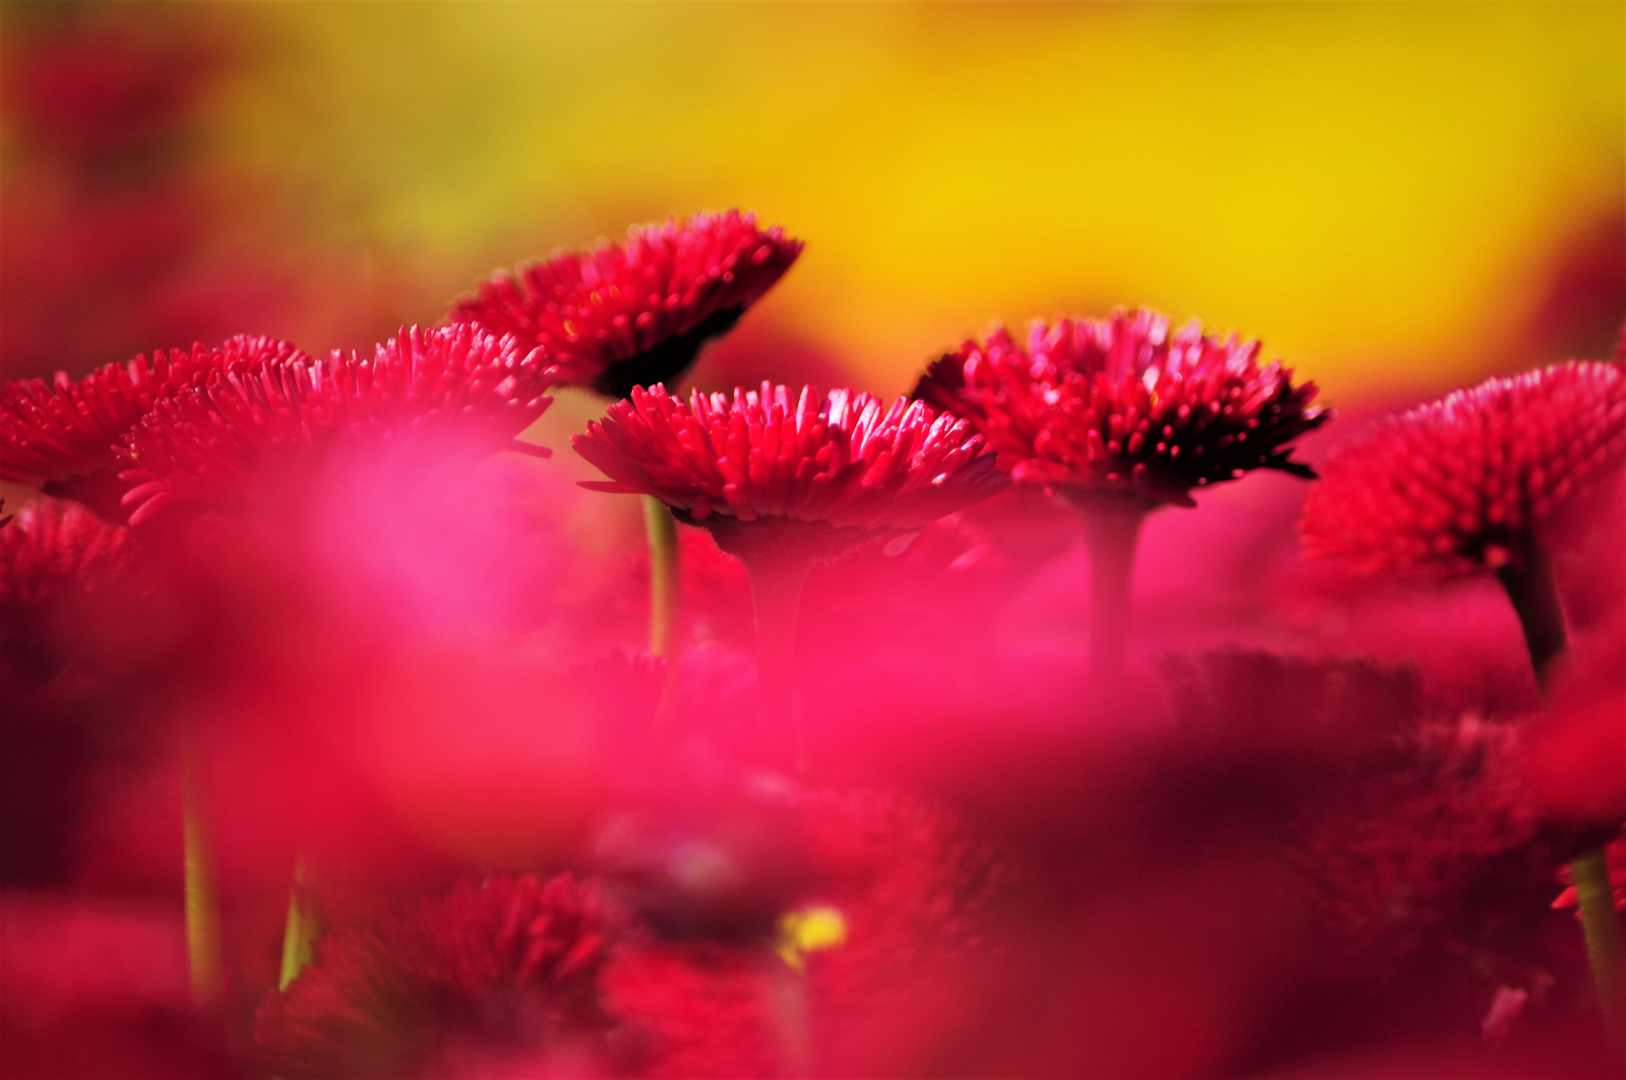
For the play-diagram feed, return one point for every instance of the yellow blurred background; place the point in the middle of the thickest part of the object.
(1392, 195)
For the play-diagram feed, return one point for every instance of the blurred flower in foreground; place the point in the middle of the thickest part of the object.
(1421, 843)
(1479, 480)
(1466, 483)
(631, 315)
(459, 986)
(458, 384)
(865, 974)
(63, 436)
(97, 989)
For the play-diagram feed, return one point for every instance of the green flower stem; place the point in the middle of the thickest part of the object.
(776, 596)
(1534, 593)
(303, 927)
(1601, 924)
(663, 577)
(665, 594)
(202, 889)
(1111, 533)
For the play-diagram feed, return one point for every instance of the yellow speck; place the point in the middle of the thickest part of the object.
(807, 930)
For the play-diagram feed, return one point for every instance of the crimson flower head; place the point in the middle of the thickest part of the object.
(635, 314)
(1464, 483)
(51, 548)
(207, 445)
(61, 436)
(62, 570)
(841, 466)
(502, 972)
(1120, 406)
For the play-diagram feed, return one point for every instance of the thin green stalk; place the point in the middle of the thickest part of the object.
(664, 586)
(1601, 924)
(303, 927)
(202, 888)
(1534, 593)
(665, 595)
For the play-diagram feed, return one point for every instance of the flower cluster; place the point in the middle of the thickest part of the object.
(1122, 406)
(354, 679)
(636, 314)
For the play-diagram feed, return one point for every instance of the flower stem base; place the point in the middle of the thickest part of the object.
(1601, 924)
(302, 928)
(203, 949)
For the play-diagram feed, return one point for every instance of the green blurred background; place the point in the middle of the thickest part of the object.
(1394, 196)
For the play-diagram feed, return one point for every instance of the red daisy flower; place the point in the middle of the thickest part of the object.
(1119, 406)
(207, 444)
(62, 436)
(68, 581)
(1463, 483)
(840, 467)
(53, 549)
(506, 971)
(636, 314)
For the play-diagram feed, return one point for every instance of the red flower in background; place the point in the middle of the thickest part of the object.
(1463, 483)
(70, 583)
(840, 461)
(62, 436)
(1120, 406)
(635, 314)
(51, 551)
(505, 971)
(206, 446)
(77, 622)
(1422, 842)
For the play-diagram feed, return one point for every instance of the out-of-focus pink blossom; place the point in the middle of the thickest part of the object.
(95, 990)
(1575, 754)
